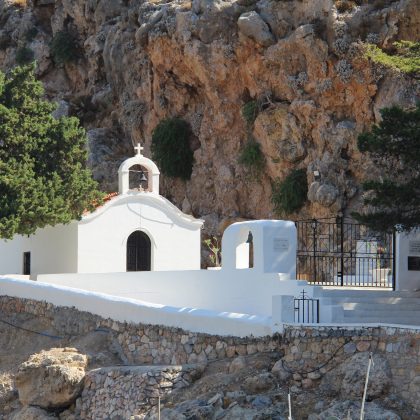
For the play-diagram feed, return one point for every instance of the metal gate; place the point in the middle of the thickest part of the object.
(340, 252)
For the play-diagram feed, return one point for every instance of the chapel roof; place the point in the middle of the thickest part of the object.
(98, 204)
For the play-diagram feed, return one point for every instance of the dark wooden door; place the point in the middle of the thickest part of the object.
(26, 263)
(138, 252)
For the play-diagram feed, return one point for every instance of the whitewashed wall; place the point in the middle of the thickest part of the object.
(243, 291)
(248, 291)
(53, 249)
(98, 243)
(407, 245)
(129, 310)
(275, 244)
(103, 235)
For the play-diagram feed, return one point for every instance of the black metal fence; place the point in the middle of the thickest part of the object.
(340, 252)
(306, 309)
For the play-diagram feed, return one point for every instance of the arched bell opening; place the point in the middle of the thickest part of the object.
(139, 252)
(138, 178)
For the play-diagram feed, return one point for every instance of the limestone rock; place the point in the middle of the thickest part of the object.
(62, 110)
(324, 194)
(107, 9)
(292, 152)
(349, 378)
(252, 25)
(395, 89)
(7, 391)
(340, 409)
(279, 371)
(168, 414)
(237, 364)
(355, 373)
(106, 152)
(259, 383)
(186, 206)
(261, 401)
(32, 413)
(142, 62)
(52, 378)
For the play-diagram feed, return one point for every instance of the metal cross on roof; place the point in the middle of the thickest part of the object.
(138, 149)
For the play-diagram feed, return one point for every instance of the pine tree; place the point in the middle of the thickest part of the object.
(394, 144)
(43, 174)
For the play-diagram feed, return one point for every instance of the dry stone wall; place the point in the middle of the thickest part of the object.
(139, 343)
(326, 357)
(118, 392)
(335, 350)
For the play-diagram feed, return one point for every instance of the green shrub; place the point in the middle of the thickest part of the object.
(24, 55)
(171, 148)
(290, 194)
(405, 57)
(30, 34)
(252, 157)
(64, 47)
(250, 111)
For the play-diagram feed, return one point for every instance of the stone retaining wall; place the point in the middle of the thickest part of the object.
(119, 392)
(139, 343)
(309, 348)
(304, 348)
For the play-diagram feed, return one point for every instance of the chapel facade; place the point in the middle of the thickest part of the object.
(136, 229)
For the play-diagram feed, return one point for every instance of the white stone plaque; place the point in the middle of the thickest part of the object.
(414, 247)
(280, 244)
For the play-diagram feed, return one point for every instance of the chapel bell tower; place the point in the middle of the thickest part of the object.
(150, 174)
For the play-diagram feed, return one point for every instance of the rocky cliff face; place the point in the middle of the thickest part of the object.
(142, 61)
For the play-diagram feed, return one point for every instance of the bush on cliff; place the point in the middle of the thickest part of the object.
(290, 194)
(171, 148)
(64, 47)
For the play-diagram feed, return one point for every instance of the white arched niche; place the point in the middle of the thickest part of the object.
(274, 246)
(236, 246)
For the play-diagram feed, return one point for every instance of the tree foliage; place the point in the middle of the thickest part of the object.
(43, 175)
(171, 148)
(394, 145)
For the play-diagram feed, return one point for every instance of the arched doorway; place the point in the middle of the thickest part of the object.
(138, 252)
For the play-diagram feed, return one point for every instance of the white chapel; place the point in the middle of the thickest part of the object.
(135, 230)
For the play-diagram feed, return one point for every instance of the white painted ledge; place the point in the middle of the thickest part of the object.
(131, 310)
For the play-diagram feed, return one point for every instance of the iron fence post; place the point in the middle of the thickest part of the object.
(314, 223)
(342, 250)
(394, 254)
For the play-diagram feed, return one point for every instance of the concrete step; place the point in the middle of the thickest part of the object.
(375, 306)
(382, 315)
(405, 322)
(370, 293)
(352, 293)
(375, 300)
